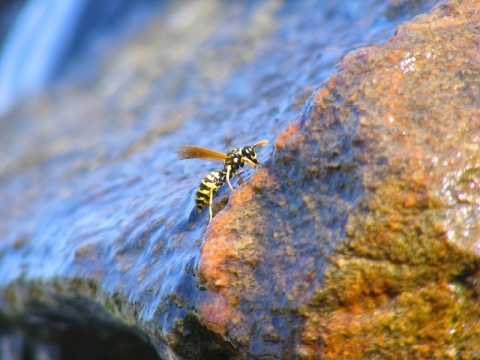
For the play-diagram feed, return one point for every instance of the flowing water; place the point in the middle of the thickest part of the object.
(89, 184)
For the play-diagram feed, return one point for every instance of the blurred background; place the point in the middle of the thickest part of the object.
(49, 40)
(94, 98)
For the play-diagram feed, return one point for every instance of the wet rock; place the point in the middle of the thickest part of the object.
(359, 238)
(360, 222)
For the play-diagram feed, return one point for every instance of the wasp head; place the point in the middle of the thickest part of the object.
(249, 155)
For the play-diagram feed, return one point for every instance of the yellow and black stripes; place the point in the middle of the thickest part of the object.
(232, 162)
(209, 185)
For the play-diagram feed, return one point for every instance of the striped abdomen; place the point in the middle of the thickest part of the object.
(209, 185)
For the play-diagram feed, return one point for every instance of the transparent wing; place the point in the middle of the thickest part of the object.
(197, 152)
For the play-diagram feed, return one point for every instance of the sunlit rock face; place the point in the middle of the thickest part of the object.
(357, 237)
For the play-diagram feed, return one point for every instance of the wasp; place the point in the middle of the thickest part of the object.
(233, 160)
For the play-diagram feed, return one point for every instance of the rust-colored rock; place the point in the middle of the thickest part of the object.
(357, 237)
(360, 237)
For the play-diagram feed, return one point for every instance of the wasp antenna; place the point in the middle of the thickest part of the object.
(260, 143)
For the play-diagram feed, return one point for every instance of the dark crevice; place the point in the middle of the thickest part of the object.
(67, 341)
(49, 335)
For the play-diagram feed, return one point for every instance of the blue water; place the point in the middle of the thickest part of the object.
(48, 36)
(90, 186)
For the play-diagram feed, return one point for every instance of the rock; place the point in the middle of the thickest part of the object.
(360, 237)
(356, 238)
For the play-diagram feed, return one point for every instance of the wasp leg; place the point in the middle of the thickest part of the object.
(210, 202)
(250, 162)
(228, 179)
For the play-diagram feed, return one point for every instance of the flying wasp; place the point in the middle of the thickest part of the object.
(233, 160)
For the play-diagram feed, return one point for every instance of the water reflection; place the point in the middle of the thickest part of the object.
(47, 36)
(94, 189)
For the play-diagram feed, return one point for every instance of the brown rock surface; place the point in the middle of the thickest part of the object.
(360, 237)
(357, 237)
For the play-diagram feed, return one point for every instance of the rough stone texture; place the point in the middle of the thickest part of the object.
(361, 235)
(357, 238)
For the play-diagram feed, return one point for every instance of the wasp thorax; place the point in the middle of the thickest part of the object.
(233, 160)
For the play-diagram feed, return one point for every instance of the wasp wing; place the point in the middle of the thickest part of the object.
(197, 152)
